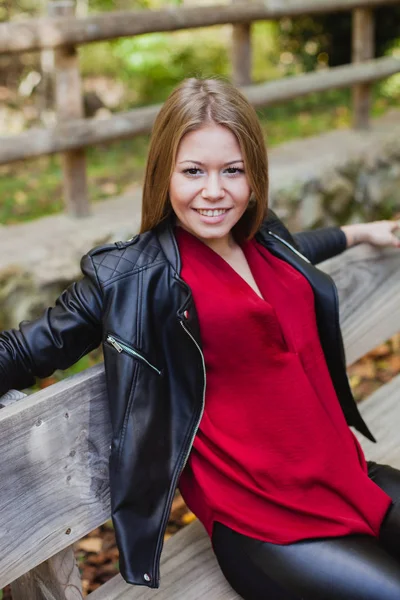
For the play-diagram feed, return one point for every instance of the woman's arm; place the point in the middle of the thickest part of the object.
(376, 233)
(320, 244)
(57, 339)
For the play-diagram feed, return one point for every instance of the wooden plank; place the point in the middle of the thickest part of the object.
(189, 571)
(36, 34)
(241, 53)
(56, 579)
(368, 281)
(69, 105)
(55, 443)
(363, 43)
(382, 411)
(86, 132)
(54, 470)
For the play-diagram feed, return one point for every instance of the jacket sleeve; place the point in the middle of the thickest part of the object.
(320, 244)
(56, 340)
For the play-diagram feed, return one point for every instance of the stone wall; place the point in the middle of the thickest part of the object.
(339, 177)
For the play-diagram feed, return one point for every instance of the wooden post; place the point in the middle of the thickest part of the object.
(56, 579)
(69, 105)
(363, 45)
(241, 52)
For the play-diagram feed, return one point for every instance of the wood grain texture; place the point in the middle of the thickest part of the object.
(368, 282)
(36, 34)
(69, 105)
(54, 470)
(10, 397)
(56, 579)
(55, 443)
(363, 48)
(241, 52)
(186, 557)
(382, 411)
(79, 133)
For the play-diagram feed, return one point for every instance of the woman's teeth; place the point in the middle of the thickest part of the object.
(212, 213)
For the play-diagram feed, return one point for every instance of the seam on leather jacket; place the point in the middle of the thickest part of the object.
(139, 307)
(97, 277)
(126, 414)
(131, 273)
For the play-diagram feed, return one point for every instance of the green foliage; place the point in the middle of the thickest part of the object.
(154, 64)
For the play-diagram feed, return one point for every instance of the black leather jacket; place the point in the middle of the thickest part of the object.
(133, 300)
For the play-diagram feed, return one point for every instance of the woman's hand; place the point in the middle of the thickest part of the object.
(376, 233)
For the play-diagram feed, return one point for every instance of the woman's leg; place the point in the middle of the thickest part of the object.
(353, 567)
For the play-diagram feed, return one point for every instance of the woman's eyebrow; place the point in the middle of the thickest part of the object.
(197, 162)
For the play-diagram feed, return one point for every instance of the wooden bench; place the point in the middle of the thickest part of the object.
(54, 459)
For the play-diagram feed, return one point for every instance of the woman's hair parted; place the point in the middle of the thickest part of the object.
(193, 104)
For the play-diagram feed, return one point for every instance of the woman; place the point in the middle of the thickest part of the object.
(215, 287)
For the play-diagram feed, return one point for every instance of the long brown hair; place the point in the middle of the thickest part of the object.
(193, 104)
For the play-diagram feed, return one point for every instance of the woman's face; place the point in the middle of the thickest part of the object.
(209, 191)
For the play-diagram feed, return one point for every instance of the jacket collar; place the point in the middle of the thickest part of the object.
(168, 243)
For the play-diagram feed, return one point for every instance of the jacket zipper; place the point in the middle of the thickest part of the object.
(120, 347)
(289, 246)
(180, 469)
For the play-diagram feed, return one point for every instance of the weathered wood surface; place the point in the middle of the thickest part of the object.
(56, 579)
(69, 106)
(54, 470)
(363, 48)
(368, 282)
(86, 132)
(11, 397)
(187, 556)
(241, 53)
(55, 444)
(382, 411)
(36, 34)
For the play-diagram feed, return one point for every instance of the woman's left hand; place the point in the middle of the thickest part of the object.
(376, 233)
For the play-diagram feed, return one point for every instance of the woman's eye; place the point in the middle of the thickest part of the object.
(234, 170)
(192, 171)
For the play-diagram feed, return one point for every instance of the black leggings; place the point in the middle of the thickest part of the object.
(353, 567)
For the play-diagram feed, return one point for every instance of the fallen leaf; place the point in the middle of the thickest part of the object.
(90, 544)
(188, 518)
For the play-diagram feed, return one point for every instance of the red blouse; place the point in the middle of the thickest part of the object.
(273, 458)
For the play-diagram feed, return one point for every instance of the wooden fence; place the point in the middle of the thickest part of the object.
(62, 32)
(55, 446)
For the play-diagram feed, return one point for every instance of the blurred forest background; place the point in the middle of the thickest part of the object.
(132, 72)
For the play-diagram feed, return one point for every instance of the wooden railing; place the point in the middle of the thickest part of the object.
(54, 448)
(62, 32)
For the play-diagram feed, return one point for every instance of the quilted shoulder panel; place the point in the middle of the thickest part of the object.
(114, 260)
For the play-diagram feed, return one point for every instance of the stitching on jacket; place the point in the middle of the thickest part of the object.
(127, 412)
(131, 273)
(138, 308)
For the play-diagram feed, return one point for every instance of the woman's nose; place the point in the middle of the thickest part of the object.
(213, 190)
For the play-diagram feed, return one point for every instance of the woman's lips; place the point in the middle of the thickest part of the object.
(206, 215)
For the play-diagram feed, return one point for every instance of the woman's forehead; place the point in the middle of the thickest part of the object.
(210, 141)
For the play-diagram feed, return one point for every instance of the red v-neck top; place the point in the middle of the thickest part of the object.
(273, 458)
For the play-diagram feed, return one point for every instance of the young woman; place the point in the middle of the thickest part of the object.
(215, 289)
